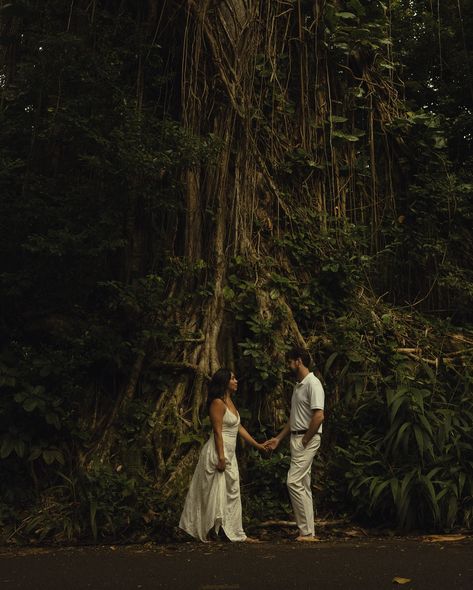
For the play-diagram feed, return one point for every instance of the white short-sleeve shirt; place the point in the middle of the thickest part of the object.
(307, 396)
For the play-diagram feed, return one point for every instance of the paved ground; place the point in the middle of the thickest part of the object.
(361, 564)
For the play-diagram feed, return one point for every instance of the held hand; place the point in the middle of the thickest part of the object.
(221, 464)
(262, 448)
(271, 444)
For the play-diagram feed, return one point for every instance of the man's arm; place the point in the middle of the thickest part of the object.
(273, 443)
(315, 422)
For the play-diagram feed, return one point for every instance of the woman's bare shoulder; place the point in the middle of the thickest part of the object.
(217, 404)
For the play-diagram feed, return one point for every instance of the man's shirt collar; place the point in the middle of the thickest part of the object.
(299, 383)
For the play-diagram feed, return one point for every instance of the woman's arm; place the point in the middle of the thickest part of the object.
(217, 410)
(245, 435)
(273, 443)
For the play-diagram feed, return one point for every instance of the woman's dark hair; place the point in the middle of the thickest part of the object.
(298, 352)
(218, 385)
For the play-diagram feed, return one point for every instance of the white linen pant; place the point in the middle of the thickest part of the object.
(298, 481)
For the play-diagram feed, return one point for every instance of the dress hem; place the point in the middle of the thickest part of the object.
(220, 526)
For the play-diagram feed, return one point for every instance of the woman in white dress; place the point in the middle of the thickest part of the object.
(213, 500)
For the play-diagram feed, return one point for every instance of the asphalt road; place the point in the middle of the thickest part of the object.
(366, 564)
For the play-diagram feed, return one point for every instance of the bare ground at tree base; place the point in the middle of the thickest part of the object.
(368, 563)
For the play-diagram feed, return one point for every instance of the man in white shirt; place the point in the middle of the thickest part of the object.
(305, 426)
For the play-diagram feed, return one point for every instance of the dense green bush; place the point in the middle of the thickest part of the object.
(402, 436)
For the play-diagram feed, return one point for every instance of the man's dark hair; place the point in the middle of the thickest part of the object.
(297, 352)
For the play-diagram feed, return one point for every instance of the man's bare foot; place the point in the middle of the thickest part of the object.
(307, 539)
(251, 540)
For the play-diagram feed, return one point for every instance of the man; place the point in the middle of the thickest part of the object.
(305, 426)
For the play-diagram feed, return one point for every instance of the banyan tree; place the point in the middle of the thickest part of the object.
(301, 99)
(192, 184)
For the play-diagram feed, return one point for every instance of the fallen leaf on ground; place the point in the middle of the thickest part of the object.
(442, 538)
(399, 580)
(355, 533)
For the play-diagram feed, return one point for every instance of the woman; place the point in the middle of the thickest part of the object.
(213, 500)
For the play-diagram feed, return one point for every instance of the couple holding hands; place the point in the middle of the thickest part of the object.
(213, 500)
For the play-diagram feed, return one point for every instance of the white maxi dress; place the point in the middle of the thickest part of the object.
(213, 499)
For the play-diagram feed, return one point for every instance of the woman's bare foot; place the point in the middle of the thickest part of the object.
(251, 540)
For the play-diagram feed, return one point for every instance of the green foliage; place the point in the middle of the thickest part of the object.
(403, 441)
(102, 504)
(320, 282)
(264, 493)
(432, 231)
(90, 169)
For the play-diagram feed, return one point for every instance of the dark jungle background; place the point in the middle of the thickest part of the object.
(189, 184)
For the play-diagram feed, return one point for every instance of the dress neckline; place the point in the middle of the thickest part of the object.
(237, 415)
